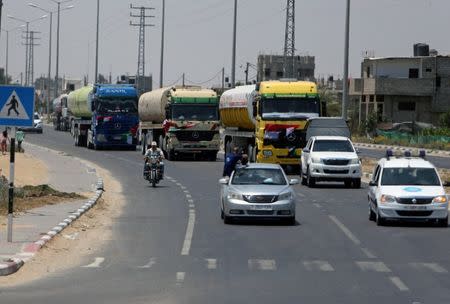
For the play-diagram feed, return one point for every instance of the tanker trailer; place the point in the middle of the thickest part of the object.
(104, 116)
(267, 121)
(183, 120)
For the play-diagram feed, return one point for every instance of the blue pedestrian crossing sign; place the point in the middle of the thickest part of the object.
(16, 106)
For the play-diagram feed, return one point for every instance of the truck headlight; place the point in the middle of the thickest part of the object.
(234, 195)
(354, 161)
(285, 196)
(267, 153)
(388, 199)
(316, 160)
(442, 199)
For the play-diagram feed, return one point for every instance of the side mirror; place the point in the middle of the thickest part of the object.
(373, 184)
(255, 109)
(224, 181)
(357, 151)
(446, 184)
(294, 181)
(305, 150)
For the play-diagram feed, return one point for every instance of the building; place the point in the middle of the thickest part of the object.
(400, 89)
(270, 67)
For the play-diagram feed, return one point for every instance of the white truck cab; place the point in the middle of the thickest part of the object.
(407, 188)
(330, 158)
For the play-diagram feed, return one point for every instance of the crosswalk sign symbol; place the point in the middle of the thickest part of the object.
(16, 106)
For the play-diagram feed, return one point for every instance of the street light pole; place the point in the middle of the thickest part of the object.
(57, 53)
(96, 42)
(7, 53)
(49, 79)
(161, 68)
(1, 9)
(233, 59)
(346, 55)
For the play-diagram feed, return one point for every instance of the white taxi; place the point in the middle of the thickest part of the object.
(407, 188)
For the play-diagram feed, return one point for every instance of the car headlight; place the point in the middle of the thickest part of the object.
(442, 199)
(316, 160)
(285, 196)
(388, 199)
(234, 195)
(267, 153)
(354, 161)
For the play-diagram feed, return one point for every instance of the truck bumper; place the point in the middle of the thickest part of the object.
(279, 156)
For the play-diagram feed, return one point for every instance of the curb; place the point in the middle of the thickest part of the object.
(12, 265)
(400, 148)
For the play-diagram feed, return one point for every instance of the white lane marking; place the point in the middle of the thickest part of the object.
(180, 277)
(258, 264)
(183, 187)
(318, 265)
(317, 205)
(398, 283)
(190, 201)
(430, 266)
(188, 196)
(211, 263)
(368, 253)
(301, 194)
(189, 233)
(373, 266)
(346, 231)
(96, 264)
(191, 206)
(178, 184)
(186, 191)
(149, 264)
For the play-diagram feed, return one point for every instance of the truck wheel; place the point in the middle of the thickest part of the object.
(171, 155)
(213, 156)
(357, 183)
(75, 138)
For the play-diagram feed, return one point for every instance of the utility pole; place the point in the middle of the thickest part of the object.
(96, 42)
(7, 52)
(49, 77)
(346, 49)
(30, 44)
(1, 9)
(161, 68)
(27, 41)
(246, 73)
(223, 79)
(183, 80)
(141, 48)
(233, 58)
(57, 53)
(289, 41)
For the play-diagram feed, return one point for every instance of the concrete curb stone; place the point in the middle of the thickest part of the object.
(12, 265)
(431, 152)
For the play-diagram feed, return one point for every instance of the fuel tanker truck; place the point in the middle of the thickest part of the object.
(104, 116)
(182, 120)
(267, 120)
(60, 115)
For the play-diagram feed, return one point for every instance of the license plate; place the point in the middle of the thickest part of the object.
(416, 207)
(261, 207)
(117, 137)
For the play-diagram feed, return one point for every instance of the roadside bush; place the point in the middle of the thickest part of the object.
(444, 120)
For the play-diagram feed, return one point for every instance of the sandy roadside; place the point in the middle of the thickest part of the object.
(90, 232)
(28, 170)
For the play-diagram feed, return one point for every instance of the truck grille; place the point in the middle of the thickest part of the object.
(260, 199)
(415, 201)
(195, 135)
(335, 162)
(295, 139)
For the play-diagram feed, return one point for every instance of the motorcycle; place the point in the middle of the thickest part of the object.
(152, 171)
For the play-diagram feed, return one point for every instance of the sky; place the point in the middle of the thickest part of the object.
(198, 39)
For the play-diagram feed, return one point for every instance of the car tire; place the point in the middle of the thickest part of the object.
(347, 183)
(379, 220)
(222, 215)
(302, 177)
(311, 181)
(372, 215)
(357, 183)
(290, 221)
(227, 219)
(443, 222)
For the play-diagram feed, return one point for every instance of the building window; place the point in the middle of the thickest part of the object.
(428, 70)
(380, 98)
(371, 98)
(363, 98)
(413, 73)
(368, 72)
(406, 106)
(267, 72)
(280, 74)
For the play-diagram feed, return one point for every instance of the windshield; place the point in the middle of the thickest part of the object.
(409, 176)
(117, 106)
(195, 112)
(288, 108)
(332, 146)
(253, 176)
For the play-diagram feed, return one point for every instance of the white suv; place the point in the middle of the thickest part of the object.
(407, 188)
(330, 158)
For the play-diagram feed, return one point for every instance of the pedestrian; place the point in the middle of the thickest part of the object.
(4, 142)
(231, 159)
(20, 135)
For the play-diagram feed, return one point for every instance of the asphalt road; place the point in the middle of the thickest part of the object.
(170, 246)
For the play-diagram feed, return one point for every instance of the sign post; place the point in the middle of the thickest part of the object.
(16, 110)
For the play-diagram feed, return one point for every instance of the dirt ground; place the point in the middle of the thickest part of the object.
(27, 169)
(86, 235)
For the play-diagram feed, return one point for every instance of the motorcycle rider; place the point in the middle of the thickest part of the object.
(155, 151)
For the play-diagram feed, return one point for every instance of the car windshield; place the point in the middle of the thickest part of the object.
(195, 112)
(332, 146)
(258, 176)
(117, 106)
(409, 176)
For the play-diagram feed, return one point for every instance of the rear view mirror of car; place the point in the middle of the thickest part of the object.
(305, 150)
(224, 181)
(372, 184)
(447, 184)
(357, 151)
(294, 181)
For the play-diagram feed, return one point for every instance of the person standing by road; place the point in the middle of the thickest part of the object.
(4, 142)
(231, 159)
(20, 135)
